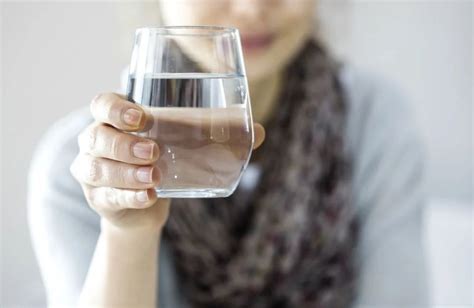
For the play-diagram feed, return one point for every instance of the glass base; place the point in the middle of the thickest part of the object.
(193, 193)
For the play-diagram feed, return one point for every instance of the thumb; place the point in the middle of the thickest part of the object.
(259, 132)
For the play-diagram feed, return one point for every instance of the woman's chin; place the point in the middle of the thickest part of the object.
(259, 66)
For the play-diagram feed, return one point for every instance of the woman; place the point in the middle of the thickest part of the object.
(328, 214)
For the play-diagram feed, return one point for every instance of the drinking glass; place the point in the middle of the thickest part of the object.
(191, 82)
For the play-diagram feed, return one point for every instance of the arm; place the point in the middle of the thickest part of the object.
(117, 174)
(123, 270)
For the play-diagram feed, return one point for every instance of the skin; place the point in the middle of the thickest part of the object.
(115, 169)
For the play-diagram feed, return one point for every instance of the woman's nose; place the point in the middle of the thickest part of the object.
(249, 9)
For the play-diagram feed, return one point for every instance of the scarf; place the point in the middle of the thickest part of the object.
(290, 242)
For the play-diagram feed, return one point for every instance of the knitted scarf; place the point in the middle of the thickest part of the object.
(290, 242)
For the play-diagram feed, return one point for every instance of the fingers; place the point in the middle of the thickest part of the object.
(96, 171)
(115, 110)
(259, 132)
(105, 141)
(115, 199)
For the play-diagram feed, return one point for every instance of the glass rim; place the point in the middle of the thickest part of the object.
(188, 30)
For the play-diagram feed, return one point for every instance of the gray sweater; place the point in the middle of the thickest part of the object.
(387, 195)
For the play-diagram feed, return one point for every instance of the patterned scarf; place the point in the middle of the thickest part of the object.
(290, 242)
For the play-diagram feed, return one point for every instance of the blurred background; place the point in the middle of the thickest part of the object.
(55, 56)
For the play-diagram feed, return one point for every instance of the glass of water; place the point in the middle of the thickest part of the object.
(191, 82)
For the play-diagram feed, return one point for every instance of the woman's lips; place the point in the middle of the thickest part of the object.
(256, 42)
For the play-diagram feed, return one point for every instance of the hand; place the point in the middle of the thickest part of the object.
(115, 169)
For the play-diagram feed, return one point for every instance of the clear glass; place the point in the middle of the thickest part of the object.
(191, 81)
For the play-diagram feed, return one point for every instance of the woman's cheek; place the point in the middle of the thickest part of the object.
(190, 13)
(206, 13)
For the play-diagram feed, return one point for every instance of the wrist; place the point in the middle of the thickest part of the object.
(142, 232)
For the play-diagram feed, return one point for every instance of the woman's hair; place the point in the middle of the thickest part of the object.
(331, 23)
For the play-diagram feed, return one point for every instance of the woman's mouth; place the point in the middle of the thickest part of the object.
(256, 42)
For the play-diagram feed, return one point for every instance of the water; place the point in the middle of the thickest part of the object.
(188, 90)
(202, 126)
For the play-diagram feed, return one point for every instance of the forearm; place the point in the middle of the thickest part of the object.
(123, 270)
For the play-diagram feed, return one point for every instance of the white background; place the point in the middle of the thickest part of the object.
(56, 56)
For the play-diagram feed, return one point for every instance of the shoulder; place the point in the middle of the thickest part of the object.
(67, 127)
(56, 150)
(378, 112)
(382, 140)
(386, 151)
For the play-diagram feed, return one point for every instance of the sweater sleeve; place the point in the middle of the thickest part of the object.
(63, 228)
(388, 195)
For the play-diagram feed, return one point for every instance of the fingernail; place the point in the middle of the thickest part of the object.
(132, 117)
(144, 174)
(142, 196)
(143, 150)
